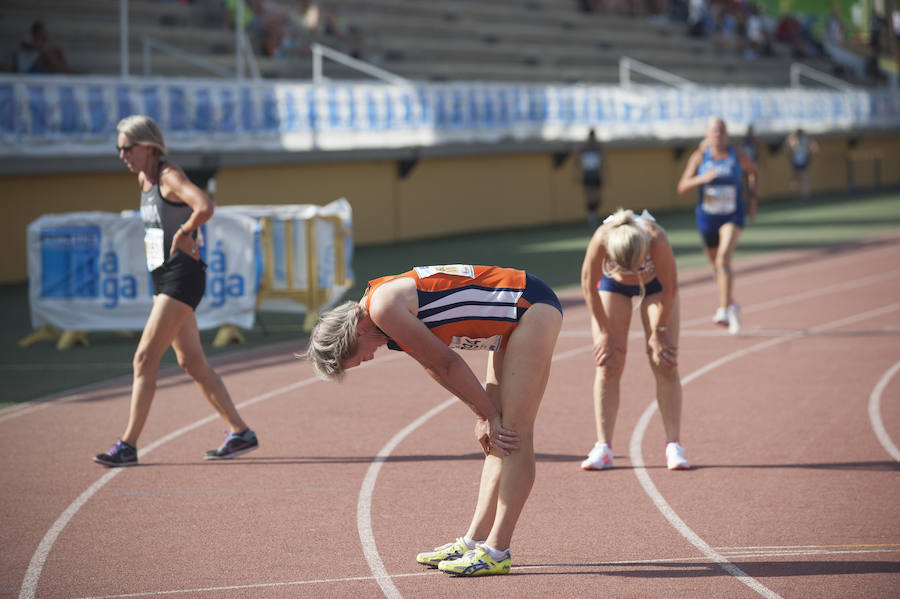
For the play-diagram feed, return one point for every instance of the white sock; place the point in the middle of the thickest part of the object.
(495, 553)
(471, 544)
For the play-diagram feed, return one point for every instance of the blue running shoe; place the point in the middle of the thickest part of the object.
(235, 444)
(121, 454)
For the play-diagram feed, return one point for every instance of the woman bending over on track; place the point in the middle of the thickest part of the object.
(717, 169)
(428, 312)
(630, 256)
(172, 209)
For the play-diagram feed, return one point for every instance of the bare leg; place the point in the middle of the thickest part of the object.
(191, 358)
(166, 317)
(486, 506)
(729, 234)
(668, 381)
(525, 370)
(607, 377)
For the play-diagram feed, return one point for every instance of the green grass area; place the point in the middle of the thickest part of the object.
(554, 253)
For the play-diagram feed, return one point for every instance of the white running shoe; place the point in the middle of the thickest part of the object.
(675, 459)
(721, 317)
(734, 319)
(600, 458)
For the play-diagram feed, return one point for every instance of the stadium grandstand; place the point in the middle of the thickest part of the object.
(425, 113)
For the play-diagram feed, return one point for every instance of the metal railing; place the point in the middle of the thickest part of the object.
(801, 70)
(151, 43)
(319, 52)
(628, 64)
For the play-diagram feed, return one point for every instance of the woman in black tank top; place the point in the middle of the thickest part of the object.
(172, 209)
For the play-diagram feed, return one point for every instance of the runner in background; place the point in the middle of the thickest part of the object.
(716, 169)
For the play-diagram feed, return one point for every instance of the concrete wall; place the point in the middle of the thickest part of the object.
(442, 195)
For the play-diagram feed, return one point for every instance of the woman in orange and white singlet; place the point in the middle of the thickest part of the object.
(630, 256)
(429, 312)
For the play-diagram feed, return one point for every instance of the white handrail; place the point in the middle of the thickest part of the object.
(150, 42)
(628, 64)
(318, 51)
(798, 69)
(250, 57)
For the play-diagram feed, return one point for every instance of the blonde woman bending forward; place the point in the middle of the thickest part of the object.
(630, 257)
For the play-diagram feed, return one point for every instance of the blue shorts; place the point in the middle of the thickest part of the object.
(537, 292)
(613, 286)
(709, 224)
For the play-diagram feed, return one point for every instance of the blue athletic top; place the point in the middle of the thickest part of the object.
(721, 196)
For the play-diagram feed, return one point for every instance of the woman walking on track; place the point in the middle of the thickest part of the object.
(630, 256)
(717, 169)
(172, 209)
(429, 311)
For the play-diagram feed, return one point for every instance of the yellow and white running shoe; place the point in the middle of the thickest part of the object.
(477, 562)
(449, 551)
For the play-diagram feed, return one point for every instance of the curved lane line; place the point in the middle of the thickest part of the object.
(29, 584)
(637, 457)
(875, 413)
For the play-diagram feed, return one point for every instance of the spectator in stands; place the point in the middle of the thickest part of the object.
(699, 18)
(790, 31)
(801, 147)
(726, 28)
(266, 21)
(590, 156)
(173, 209)
(38, 55)
(758, 42)
(716, 170)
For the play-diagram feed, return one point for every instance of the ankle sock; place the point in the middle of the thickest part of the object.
(495, 553)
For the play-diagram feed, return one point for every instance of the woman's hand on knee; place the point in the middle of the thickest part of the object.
(491, 434)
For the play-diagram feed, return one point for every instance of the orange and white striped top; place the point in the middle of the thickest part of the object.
(465, 306)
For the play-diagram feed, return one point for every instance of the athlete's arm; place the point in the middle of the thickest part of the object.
(177, 188)
(689, 178)
(393, 309)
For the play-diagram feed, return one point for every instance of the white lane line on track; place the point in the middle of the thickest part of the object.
(637, 457)
(38, 559)
(29, 584)
(875, 413)
(813, 550)
(364, 503)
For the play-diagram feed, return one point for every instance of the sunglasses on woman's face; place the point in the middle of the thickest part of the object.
(126, 149)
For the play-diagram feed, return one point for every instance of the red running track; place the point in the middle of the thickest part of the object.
(792, 426)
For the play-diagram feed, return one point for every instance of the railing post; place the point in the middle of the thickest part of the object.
(123, 37)
(145, 49)
(239, 39)
(317, 64)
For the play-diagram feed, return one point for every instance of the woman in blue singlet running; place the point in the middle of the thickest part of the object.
(716, 170)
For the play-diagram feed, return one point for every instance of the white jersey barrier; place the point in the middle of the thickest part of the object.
(307, 255)
(87, 270)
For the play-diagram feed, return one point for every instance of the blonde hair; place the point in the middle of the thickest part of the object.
(627, 242)
(144, 131)
(334, 339)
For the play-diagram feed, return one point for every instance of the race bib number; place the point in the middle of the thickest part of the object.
(485, 343)
(153, 245)
(719, 199)
(460, 270)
